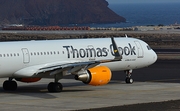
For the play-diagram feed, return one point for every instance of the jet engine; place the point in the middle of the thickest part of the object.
(96, 76)
(28, 80)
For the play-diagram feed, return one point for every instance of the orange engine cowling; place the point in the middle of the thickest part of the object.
(96, 76)
(28, 80)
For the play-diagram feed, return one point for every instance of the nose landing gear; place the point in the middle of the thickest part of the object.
(128, 79)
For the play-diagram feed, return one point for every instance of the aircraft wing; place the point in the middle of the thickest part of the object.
(70, 66)
(56, 67)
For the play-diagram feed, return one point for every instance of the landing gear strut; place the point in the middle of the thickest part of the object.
(55, 86)
(128, 80)
(10, 85)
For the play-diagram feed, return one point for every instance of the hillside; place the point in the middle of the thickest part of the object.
(56, 12)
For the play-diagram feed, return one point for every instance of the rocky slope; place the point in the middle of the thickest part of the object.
(56, 12)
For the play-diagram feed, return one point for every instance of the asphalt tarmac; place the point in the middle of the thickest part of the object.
(153, 85)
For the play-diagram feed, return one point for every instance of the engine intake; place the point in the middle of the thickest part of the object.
(96, 76)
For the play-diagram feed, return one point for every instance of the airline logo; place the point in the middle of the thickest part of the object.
(127, 50)
(73, 52)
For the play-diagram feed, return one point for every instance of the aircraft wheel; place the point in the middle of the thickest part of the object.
(50, 87)
(55, 87)
(10, 85)
(129, 80)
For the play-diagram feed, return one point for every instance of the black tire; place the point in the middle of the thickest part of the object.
(6, 85)
(9, 85)
(13, 85)
(129, 80)
(50, 87)
(58, 87)
(55, 87)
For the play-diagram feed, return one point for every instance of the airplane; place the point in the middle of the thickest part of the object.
(88, 60)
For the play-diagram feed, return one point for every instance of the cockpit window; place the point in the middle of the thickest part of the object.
(148, 47)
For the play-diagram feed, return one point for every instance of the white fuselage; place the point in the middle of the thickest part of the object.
(18, 55)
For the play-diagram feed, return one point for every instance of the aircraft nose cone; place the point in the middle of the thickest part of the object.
(155, 57)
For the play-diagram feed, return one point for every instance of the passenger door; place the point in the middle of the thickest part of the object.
(26, 57)
(139, 49)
